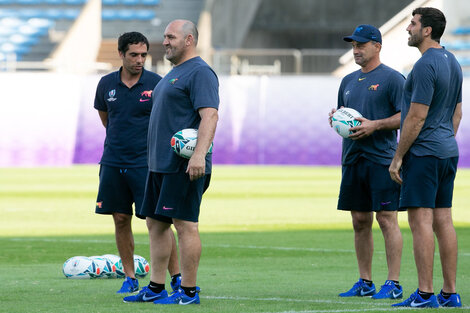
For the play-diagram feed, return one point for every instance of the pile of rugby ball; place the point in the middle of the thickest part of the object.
(104, 266)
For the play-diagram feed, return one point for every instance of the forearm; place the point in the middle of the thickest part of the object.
(206, 131)
(410, 131)
(457, 117)
(390, 123)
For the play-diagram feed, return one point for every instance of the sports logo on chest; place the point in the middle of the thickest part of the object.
(111, 95)
(374, 87)
(145, 95)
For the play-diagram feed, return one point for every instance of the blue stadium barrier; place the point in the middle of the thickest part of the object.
(75, 2)
(127, 15)
(28, 2)
(53, 2)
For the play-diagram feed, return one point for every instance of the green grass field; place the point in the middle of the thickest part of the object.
(272, 242)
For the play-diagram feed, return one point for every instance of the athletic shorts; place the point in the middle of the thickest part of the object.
(173, 195)
(366, 186)
(428, 182)
(119, 189)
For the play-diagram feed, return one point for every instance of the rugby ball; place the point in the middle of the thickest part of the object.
(106, 269)
(141, 266)
(184, 142)
(343, 119)
(115, 261)
(79, 267)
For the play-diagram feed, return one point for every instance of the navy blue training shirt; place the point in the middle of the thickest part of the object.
(177, 98)
(128, 118)
(376, 95)
(436, 81)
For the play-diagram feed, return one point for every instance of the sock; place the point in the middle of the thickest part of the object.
(446, 295)
(189, 291)
(397, 283)
(425, 295)
(368, 282)
(175, 277)
(157, 288)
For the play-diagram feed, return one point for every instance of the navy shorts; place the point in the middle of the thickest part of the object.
(366, 186)
(119, 189)
(173, 195)
(428, 182)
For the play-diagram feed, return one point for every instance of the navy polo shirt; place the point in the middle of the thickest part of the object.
(176, 100)
(377, 94)
(436, 81)
(128, 118)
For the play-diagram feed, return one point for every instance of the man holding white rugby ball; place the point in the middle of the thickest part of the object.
(375, 91)
(187, 97)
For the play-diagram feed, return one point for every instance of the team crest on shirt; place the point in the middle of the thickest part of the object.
(374, 87)
(111, 95)
(173, 81)
(146, 96)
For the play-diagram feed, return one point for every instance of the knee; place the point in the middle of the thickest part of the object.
(185, 228)
(122, 220)
(386, 221)
(361, 223)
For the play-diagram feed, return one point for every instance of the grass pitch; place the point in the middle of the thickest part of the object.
(272, 242)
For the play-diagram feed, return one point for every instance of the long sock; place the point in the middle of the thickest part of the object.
(189, 291)
(175, 277)
(425, 295)
(157, 288)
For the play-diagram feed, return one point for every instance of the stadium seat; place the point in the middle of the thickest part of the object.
(144, 15)
(19, 39)
(6, 2)
(150, 2)
(70, 14)
(53, 2)
(30, 13)
(125, 15)
(28, 2)
(109, 14)
(462, 30)
(74, 2)
(8, 13)
(130, 2)
(109, 2)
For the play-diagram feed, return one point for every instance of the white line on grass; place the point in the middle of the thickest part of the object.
(227, 246)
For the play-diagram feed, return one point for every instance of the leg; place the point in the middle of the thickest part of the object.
(363, 242)
(160, 249)
(190, 250)
(447, 240)
(125, 241)
(173, 265)
(388, 223)
(421, 221)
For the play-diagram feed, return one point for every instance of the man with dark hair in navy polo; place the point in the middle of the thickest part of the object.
(187, 97)
(425, 163)
(124, 102)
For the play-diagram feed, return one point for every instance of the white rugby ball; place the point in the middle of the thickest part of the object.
(141, 266)
(106, 269)
(343, 119)
(79, 267)
(184, 142)
(115, 261)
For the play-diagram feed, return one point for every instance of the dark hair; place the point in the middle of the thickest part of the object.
(131, 38)
(434, 18)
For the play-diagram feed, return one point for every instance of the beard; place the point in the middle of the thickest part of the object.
(415, 40)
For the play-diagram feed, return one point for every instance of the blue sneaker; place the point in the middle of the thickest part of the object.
(452, 302)
(146, 295)
(416, 301)
(179, 297)
(389, 291)
(129, 285)
(360, 289)
(176, 285)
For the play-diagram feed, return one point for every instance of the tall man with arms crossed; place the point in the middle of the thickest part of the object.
(123, 100)
(427, 156)
(376, 92)
(187, 97)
